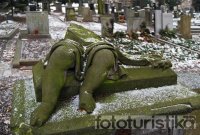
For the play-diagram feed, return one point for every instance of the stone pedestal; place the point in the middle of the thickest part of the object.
(37, 22)
(185, 26)
(58, 6)
(87, 14)
(70, 14)
(107, 26)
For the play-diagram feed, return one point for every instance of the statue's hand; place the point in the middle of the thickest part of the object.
(41, 114)
(86, 102)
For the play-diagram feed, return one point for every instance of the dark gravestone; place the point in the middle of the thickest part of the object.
(45, 6)
(112, 9)
(107, 8)
(32, 7)
(91, 5)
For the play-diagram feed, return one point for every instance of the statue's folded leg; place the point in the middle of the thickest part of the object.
(102, 62)
(53, 80)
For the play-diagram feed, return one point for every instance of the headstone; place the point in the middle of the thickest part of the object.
(118, 6)
(130, 13)
(101, 7)
(45, 5)
(70, 14)
(80, 10)
(107, 11)
(87, 14)
(176, 15)
(126, 10)
(69, 4)
(148, 16)
(58, 6)
(141, 13)
(116, 16)
(133, 24)
(107, 26)
(167, 21)
(112, 9)
(96, 18)
(92, 8)
(158, 21)
(37, 22)
(32, 7)
(185, 26)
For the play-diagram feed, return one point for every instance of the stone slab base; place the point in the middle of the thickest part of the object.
(137, 78)
(11, 34)
(66, 119)
(17, 56)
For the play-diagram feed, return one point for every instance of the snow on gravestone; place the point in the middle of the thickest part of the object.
(167, 20)
(37, 22)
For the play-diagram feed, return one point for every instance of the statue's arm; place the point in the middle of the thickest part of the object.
(127, 61)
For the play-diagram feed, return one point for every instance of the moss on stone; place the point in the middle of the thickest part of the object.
(81, 35)
(84, 124)
(18, 110)
(137, 78)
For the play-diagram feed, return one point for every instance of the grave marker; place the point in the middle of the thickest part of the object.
(185, 26)
(107, 26)
(70, 14)
(37, 22)
(167, 21)
(58, 6)
(87, 14)
(158, 21)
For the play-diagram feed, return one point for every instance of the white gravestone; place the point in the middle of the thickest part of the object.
(167, 21)
(158, 21)
(37, 22)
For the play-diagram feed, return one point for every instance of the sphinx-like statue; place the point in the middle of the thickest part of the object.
(82, 57)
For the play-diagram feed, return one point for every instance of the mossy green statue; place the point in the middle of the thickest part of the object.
(65, 63)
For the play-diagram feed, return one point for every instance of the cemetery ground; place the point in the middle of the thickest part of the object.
(186, 63)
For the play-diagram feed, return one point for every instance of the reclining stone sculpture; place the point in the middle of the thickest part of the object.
(65, 62)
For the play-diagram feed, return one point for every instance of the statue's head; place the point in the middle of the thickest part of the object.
(81, 35)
